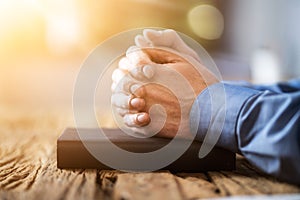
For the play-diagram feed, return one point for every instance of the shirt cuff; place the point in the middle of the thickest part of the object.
(215, 112)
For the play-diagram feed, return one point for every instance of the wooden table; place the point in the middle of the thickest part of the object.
(28, 170)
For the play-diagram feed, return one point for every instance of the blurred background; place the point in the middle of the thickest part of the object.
(44, 42)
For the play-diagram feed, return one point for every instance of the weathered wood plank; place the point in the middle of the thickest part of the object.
(196, 186)
(28, 171)
(247, 180)
(228, 186)
(147, 186)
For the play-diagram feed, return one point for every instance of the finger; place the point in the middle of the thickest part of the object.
(113, 86)
(129, 86)
(136, 120)
(137, 104)
(125, 64)
(137, 56)
(117, 75)
(141, 41)
(155, 37)
(169, 38)
(138, 90)
(131, 50)
(145, 72)
(124, 84)
(142, 73)
(121, 100)
(122, 112)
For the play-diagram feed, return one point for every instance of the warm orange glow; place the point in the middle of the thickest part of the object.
(62, 32)
(44, 42)
(17, 19)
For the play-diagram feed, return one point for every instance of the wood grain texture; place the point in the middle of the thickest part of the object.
(28, 170)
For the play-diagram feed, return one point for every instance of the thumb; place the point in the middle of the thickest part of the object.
(163, 55)
(137, 57)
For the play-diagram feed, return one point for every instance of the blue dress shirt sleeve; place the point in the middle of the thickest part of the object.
(261, 122)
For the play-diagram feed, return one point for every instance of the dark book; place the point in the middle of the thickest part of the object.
(73, 154)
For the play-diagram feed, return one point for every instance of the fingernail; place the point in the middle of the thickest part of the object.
(137, 103)
(148, 71)
(141, 118)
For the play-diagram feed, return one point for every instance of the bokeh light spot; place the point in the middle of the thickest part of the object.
(206, 21)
